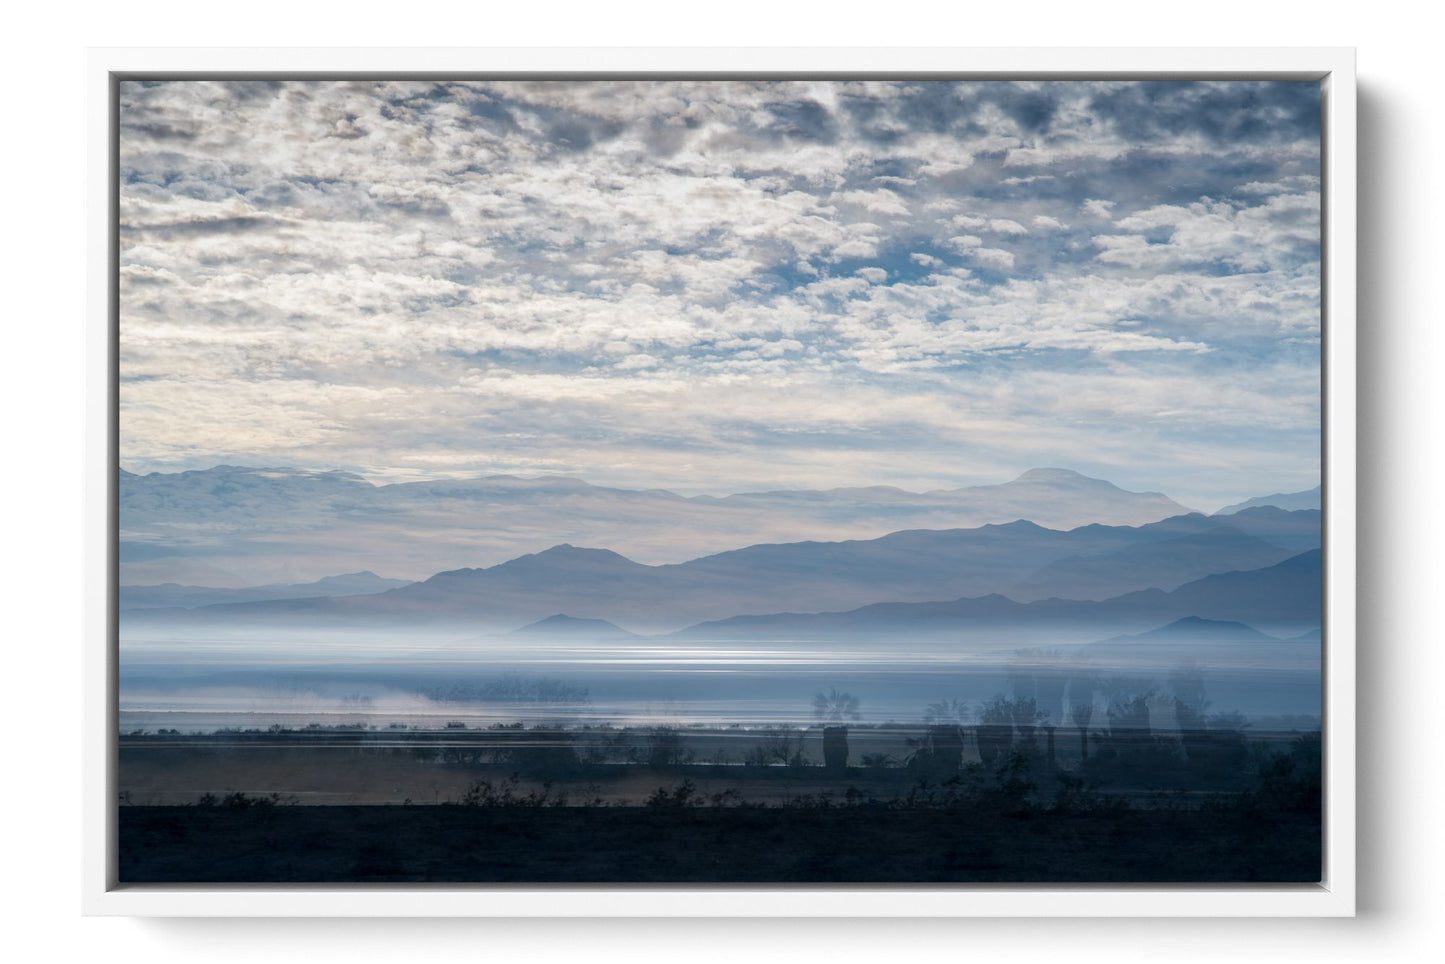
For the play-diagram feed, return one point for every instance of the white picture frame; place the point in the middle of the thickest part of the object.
(1333, 896)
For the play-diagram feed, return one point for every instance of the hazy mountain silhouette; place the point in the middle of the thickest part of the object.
(562, 625)
(1285, 594)
(907, 567)
(1166, 564)
(169, 595)
(1297, 529)
(234, 526)
(1195, 629)
(1309, 499)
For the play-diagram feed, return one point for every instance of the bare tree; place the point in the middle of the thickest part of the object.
(779, 744)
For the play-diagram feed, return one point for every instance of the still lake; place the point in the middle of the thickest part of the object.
(201, 684)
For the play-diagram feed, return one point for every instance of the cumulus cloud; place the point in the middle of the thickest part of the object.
(1283, 230)
(993, 257)
(691, 278)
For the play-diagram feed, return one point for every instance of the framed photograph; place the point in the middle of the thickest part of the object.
(841, 482)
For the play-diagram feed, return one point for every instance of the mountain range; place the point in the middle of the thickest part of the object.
(1309, 499)
(1020, 561)
(170, 595)
(1285, 596)
(1191, 629)
(236, 527)
(562, 626)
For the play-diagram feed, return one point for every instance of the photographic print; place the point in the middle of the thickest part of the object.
(769, 481)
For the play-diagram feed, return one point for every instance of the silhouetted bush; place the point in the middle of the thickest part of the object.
(1006, 787)
(728, 798)
(1075, 795)
(779, 745)
(484, 793)
(680, 797)
(939, 751)
(665, 747)
(1012, 784)
(240, 801)
(1292, 779)
(879, 761)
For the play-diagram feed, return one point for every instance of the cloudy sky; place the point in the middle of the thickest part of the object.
(719, 287)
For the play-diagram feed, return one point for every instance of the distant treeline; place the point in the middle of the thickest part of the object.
(510, 688)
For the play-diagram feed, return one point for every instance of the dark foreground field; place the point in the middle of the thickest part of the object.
(859, 844)
(1208, 807)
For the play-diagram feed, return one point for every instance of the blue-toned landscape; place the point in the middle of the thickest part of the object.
(885, 465)
(585, 635)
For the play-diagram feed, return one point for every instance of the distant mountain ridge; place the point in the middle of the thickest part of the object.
(1019, 560)
(1196, 629)
(1309, 499)
(172, 595)
(562, 626)
(235, 526)
(1283, 595)
(1166, 564)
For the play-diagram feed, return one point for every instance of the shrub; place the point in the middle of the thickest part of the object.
(483, 793)
(779, 745)
(1293, 779)
(682, 796)
(239, 801)
(665, 747)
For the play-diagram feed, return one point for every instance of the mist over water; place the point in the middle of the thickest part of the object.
(245, 680)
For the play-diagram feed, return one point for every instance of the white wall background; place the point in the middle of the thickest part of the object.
(1402, 795)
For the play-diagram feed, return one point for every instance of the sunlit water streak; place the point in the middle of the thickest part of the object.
(233, 679)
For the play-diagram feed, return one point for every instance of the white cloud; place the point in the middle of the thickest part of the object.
(942, 168)
(1250, 238)
(636, 362)
(456, 277)
(881, 201)
(1288, 185)
(993, 257)
(856, 248)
